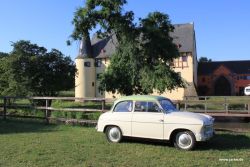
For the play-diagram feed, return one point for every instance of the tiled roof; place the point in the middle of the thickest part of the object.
(238, 67)
(183, 34)
(104, 47)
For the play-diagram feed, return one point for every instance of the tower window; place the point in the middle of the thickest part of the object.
(93, 84)
(87, 64)
(98, 62)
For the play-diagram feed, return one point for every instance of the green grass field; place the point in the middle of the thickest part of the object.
(32, 143)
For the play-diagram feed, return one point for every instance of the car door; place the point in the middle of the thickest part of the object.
(147, 120)
(122, 115)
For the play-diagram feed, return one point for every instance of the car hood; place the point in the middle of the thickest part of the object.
(189, 118)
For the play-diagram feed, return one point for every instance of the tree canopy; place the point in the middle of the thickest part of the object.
(31, 70)
(2, 54)
(145, 49)
(204, 59)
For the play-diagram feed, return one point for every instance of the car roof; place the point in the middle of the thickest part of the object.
(141, 97)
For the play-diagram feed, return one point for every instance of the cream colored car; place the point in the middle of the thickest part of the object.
(154, 117)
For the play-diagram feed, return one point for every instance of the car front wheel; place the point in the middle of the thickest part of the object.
(184, 140)
(113, 134)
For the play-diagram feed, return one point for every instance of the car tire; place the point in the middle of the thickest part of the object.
(113, 134)
(184, 140)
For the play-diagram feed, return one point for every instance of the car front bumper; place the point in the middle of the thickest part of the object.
(204, 136)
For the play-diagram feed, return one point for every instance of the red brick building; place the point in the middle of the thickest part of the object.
(223, 78)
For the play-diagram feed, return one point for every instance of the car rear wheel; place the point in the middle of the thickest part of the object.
(184, 140)
(113, 134)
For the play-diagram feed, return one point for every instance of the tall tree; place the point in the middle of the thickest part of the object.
(204, 59)
(144, 52)
(2, 54)
(31, 70)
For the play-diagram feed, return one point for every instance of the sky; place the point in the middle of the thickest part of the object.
(222, 27)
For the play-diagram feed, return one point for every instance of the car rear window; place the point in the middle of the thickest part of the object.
(124, 106)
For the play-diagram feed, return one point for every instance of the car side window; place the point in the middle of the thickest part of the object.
(153, 107)
(140, 106)
(124, 106)
(143, 106)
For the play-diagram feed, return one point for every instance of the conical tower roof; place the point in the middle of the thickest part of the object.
(85, 50)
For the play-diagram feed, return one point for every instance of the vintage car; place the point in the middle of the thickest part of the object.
(154, 117)
(247, 90)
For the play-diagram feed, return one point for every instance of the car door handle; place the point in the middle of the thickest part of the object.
(161, 120)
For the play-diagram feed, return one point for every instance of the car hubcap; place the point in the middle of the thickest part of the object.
(184, 140)
(114, 134)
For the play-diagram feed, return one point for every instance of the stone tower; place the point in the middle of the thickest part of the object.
(85, 79)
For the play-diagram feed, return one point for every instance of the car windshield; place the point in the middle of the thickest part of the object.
(167, 105)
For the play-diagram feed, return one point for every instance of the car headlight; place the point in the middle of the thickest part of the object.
(207, 128)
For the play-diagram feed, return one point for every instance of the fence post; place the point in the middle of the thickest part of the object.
(226, 105)
(103, 105)
(4, 108)
(47, 111)
(178, 105)
(205, 104)
(185, 103)
(248, 106)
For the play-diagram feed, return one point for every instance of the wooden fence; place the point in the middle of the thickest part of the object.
(8, 102)
(202, 104)
(226, 106)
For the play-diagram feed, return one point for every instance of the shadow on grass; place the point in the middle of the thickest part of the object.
(25, 126)
(152, 142)
(226, 140)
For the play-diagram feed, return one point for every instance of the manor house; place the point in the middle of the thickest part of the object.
(94, 58)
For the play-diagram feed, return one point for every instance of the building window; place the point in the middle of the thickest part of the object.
(93, 84)
(98, 62)
(181, 62)
(87, 64)
(203, 79)
(242, 77)
(184, 58)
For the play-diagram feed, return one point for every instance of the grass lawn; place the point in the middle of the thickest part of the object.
(33, 143)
